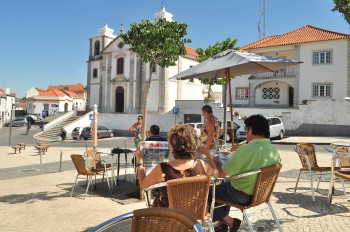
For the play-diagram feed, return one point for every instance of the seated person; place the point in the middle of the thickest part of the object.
(183, 144)
(153, 134)
(258, 153)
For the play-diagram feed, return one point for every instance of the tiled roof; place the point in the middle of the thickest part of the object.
(78, 88)
(39, 90)
(52, 93)
(305, 34)
(70, 93)
(191, 51)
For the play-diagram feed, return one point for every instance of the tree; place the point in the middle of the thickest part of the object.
(209, 52)
(343, 7)
(157, 42)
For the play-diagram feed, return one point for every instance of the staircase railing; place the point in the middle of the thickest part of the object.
(58, 120)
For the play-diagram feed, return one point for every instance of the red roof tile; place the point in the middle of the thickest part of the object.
(77, 88)
(191, 51)
(52, 93)
(305, 34)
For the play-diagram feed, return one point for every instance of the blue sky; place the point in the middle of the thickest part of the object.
(46, 42)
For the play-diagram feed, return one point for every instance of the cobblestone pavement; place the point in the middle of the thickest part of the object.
(38, 200)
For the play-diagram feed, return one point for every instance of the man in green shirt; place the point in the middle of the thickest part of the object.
(258, 153)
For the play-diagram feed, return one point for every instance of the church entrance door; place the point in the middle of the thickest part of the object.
(119, 99)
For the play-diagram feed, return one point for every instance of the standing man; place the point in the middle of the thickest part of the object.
(211, 129)
(258, 153)
(29, 123)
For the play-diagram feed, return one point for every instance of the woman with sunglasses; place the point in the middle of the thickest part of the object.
(136, 131)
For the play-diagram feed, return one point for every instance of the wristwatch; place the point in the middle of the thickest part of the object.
(139, 164)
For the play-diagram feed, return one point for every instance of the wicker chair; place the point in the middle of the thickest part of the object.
(343, 173)
(265, 183)
(151, 220)
(82, 169)
(307, 156)
(189, 194)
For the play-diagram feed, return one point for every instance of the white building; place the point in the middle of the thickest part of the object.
(7, 104)
(323, 76)
(116, 77)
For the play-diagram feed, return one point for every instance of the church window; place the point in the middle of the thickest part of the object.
(120, 66)
(94, 73)
(97, 48)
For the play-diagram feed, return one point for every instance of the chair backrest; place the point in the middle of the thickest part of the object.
(79, 163)
(265, 184)
(309, 150)
(161, 219)
(342, 151)
(95, 162)
(189, 194)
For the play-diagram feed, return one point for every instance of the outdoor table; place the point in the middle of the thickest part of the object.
(112, 152)
(335, 162)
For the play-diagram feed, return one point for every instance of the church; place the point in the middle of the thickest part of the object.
(116, 77)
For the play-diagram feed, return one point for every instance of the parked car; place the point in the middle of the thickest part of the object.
(76, 132)
(276, 129)
(229, 131)
(19, 122)
(102, 132)
(197, 126)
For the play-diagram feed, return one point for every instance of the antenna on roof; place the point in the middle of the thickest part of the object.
(261, 19)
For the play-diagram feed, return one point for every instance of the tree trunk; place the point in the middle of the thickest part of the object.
(145, 105)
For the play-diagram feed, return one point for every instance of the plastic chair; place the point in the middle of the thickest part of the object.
(188, 194)
(151, 220)
(343, 173)
(83, 170)
(265, 183)
(307, 156)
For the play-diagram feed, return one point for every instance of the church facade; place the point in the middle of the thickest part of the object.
(116, 77)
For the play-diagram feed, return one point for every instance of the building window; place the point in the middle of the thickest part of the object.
(94, 73)
(242, 93)
(271, 93)
(324, 57)
(120, 66)
(97, 48)
(321, 90)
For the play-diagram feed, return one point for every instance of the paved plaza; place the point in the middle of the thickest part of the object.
(35, 197)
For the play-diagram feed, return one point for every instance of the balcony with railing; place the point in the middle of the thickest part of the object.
(285, 72)
(97, 57)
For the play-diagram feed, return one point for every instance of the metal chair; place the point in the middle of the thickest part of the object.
(82, 169)
(188, 194)
(265, 183)
(341, 154)
(307, 156)
(151, 220)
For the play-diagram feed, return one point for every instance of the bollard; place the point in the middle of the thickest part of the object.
(60, 162)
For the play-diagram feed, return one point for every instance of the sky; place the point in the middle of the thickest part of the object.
(46, 42)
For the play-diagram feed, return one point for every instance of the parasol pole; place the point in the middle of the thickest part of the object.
(228, 81)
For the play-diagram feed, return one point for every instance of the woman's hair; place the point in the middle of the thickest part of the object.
(183, 141)
(207, 108)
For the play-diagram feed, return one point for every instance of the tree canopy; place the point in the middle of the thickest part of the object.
(343, 7)
(209, 52)
(158, 42)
